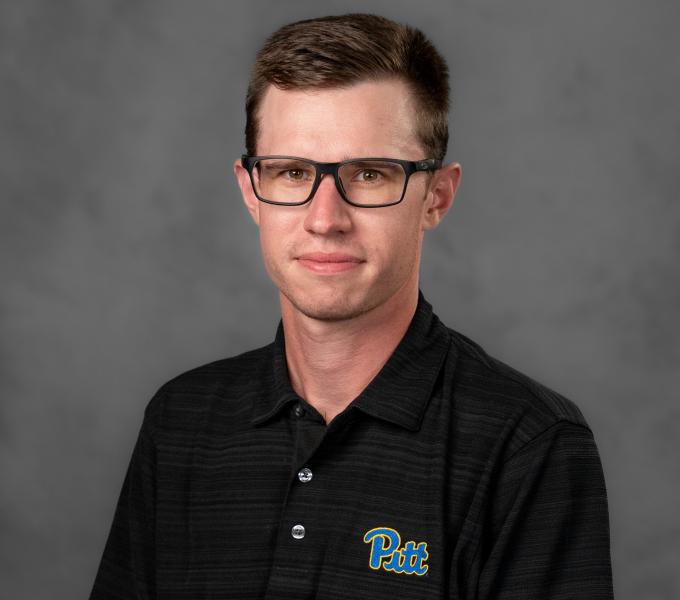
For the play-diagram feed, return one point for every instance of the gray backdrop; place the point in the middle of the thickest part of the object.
(128, 257)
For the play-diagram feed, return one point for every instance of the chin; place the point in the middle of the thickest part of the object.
(328, 309)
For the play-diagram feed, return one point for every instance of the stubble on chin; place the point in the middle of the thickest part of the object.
(329, 308)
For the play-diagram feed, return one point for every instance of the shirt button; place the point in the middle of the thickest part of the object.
(298, 532)
(305, 475)
(299, 411)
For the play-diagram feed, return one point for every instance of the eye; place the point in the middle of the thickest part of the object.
(291, 173)
(369, 175)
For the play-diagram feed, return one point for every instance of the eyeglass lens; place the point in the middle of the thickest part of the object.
(290, 181)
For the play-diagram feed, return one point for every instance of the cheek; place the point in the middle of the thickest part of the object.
(276, 227)
(273, 240)
(409, 228)
(397, 242)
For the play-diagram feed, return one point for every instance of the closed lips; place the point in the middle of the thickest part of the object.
(321, 257)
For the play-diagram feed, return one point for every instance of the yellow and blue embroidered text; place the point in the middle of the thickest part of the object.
(387, 553)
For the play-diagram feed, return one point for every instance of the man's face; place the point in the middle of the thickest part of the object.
(331, 260)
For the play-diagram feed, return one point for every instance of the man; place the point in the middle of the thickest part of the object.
(369, 452)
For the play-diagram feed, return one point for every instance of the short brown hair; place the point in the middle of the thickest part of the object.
(338, 51)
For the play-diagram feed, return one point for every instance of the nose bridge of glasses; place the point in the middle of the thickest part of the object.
(326, 168)
(330, 169)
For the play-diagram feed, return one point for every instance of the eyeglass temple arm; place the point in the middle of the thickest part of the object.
(429, 164)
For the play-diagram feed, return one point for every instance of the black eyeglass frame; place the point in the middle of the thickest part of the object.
(332, 168)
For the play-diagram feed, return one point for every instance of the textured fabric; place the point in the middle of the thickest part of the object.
(450, 476)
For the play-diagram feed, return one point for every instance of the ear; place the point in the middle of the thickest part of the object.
(440, 196)
(249, 198)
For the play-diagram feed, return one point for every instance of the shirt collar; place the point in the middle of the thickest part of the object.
(399, 393)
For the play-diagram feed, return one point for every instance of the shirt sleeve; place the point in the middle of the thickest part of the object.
(548, 529)
(127, 566)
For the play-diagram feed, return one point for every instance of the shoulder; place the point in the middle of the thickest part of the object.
(514, 408)
(224, 375)
(217, 389)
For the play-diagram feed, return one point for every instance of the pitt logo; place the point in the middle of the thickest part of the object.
(387, 554)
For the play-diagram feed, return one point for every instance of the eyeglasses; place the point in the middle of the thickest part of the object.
(365, 182)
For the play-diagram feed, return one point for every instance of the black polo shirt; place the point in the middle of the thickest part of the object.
(450, 476)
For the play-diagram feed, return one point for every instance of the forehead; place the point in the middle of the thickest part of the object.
(369, 118)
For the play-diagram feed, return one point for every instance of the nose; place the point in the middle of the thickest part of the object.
(327, 212)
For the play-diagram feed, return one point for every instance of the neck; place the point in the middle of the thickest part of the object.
(331, 362)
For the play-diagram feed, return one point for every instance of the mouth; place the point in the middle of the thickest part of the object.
(329, 263)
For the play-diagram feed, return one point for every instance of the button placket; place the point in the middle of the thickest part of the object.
(299, 542)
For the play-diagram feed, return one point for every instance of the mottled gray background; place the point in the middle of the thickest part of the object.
(127, 256)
